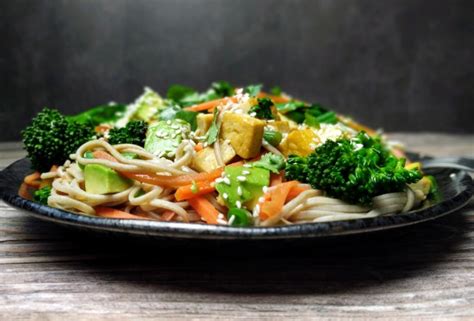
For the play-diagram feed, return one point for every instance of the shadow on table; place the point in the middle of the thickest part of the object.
(314, 266)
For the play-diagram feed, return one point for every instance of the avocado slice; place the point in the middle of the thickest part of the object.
(100, 179)
(250, 188)
(163, 137)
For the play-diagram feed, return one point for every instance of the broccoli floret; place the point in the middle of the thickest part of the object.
(41, 195)
(133, 133)
(352, 170)
(263, 109)
(51, 138)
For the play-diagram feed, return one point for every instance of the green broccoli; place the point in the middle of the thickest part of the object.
(352, 170)
(51, 138)
(263, 109)
(42, 195)
(133, 133)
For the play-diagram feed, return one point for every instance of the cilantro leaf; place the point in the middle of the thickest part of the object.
(272, 162)
(253, 90)
(213, 131)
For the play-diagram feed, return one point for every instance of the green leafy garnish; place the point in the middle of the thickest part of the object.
(253, 90)
(275, 91)
(104, 114)
(240, 216)
(42, 195)
(263, 109)
(185, 96)
(213, 131)
(272, 162)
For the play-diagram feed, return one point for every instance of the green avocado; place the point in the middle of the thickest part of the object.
(100, 179)
(250, 187)
(163, 137)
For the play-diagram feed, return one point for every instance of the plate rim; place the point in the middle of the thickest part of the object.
(214, 232)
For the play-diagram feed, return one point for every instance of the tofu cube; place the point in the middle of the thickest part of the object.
(203, 123)
(245, 133)
(205, 159)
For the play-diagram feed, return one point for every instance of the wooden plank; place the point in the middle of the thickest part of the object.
(421, 272)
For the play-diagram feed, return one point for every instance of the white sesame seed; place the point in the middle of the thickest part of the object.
(241, 178)
(168, 122)
(247, 165)
(238, 204)
(226, 181)
(219, 180)
(253, 114)
(231, 220)
(265, 189)
(222, 222)
(225, 196)
(221, 216)
(256, 211)
(239, 190)
(245, 172)
(261, 199)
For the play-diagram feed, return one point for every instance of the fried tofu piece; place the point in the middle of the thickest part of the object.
(205, 159)
(203, 121)
(299, 142)
(245, 133)
(281, 126)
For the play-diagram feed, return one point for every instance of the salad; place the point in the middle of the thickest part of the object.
(237, 156)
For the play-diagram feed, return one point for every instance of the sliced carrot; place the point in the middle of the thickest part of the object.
(33, 179)
(167, 216)
(274, 199)
(205, 209)
(295, 191)
(198, 147)
(24, 192)
(275, 99)
(276, 179)
(194, 190)
(174, 181)
(110, 212)
(210, 105)
(100, 154)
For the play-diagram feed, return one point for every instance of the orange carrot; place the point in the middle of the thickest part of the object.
(274, 199)
(115, 213)
(210, 105)
(295, 191)
(167, 216)
(174, 181)
(194, 190)
(276, 179)
(205, 209)
(198, 147)
(275, 99)
(100, 154)
(24, 192)
(32, 179)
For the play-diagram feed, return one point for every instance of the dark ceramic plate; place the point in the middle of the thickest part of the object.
(456, 188)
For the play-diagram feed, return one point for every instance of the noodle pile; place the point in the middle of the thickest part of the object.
(156, 202)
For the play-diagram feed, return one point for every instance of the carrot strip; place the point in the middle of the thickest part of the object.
(23, 191)
(276, 179)
(174, 181)
(32, 179)
(205, 209)
(100, 154)
(210, 105)
(274, 199)
(110, 212)
(167, 216)
(194, 190)
(199, 147)
(295, 191)
(275, 99)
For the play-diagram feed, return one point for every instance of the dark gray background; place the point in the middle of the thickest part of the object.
(401, 65)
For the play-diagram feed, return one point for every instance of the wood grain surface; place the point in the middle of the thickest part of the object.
(420, 272)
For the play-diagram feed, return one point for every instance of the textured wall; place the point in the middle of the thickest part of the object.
(400, 65)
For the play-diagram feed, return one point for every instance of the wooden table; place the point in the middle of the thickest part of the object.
(425, 271)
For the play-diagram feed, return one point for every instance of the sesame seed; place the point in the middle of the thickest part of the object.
(253, 114)
(221, 216)
(239, 190)
(247, 165)
(219, 180)
(241, 178)
(261, 199)
(226, 181)
(256, 210)
(265, 189)
(225, 196)
(238, 204)
(222, 222)
(245, 172)
(231, 220)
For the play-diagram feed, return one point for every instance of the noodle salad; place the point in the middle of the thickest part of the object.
(235, 156)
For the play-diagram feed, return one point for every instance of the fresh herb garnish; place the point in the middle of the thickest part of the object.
(263, 109)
